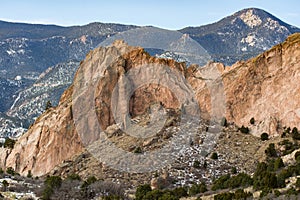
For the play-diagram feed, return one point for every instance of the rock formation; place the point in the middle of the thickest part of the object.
(265, 87)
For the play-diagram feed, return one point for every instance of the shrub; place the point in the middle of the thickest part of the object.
(224, 122)
(297, 156)
(196, 164)
(281, 180)
(214, 156)
(270, 180)
(48, 105)
(53, 181)
(5, 185)
(270, 151)
(298, 183)
(205, 165)
(244, 130)
(154, 194)
(180, 192)
(224, 196)
(233, 170)
(112, 197)
(286, 132)
(221, 183)
(138, 150)
(74, 177)
(264, 136)
(141, 191)
(265, 191)
(252, 121)
(277, 193)
(264, 179)
(10, 171)
(278, 164)
(9, 143)
(291, 191)
(29, 175)
(47, 193)
(241, 180)
(295, 130)
(295, 134)
(197, 189)
(240, 194)
(261, 169)
(289, 146)
(90, 180)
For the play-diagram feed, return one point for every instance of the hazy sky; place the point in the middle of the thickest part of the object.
(169, 14)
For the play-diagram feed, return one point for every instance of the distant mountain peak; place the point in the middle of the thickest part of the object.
(241, 35)
(250, 18)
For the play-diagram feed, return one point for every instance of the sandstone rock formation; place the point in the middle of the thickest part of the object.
(265, 87)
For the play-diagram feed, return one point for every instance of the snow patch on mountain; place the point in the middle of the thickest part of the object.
(251, 19)
(250, 39)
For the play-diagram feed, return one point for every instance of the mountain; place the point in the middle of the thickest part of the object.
(71, 128)
(242, 35)
(31, 101)
(26, 50)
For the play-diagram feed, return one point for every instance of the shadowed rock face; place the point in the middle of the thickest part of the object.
(265, 87)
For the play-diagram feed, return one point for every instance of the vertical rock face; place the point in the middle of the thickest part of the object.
(265, 87)
(48, 142)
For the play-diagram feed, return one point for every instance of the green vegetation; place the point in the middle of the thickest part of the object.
(289, 146)
(51, 183)
(74, 177)
(141, 191)
(144, 192)
(298, 183)
(271, 151)
(278, 164)
(226, 181)
(295, 134)
(196, 164)
(197, 189)
(223, 122)
(297, 156)
(233, 170)
(10, 171)
(138, 150)
(244, 129)
(90, 180)
(29, 175)
(264, 136)
(214, 156)
(252, 121)
(9, 143)
(238, 194)
(263, 177)
(48, 105)
(5, 185)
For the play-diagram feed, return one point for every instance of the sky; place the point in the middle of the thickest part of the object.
(169, 14)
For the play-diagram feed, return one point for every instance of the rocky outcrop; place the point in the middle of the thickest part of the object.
(265, 87)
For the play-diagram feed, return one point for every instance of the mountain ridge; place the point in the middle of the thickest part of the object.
(25, 58)
(259, 76)
(236, 38)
